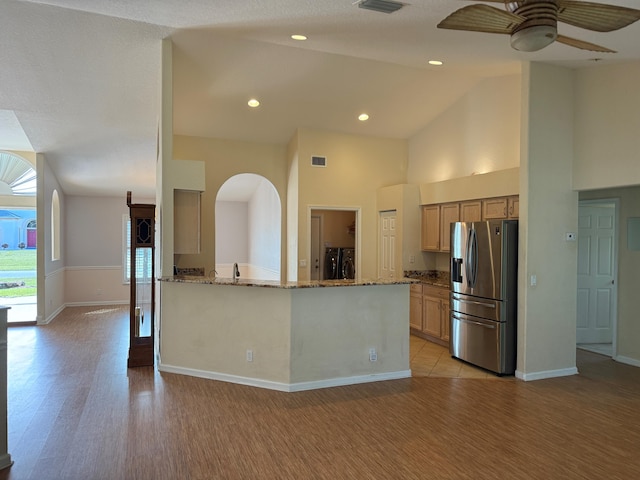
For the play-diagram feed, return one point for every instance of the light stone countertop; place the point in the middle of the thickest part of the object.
(247, 282)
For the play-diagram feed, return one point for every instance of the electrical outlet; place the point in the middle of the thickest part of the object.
(533, 280)
(373, 356)
(249, 355)
(412, 259)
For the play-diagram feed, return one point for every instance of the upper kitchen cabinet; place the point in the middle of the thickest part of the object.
(493, 208)
(449, 213)
(499, 208)
(186, 221)
(514, 207)
(471, 211)
(430, 237)
(436, 221)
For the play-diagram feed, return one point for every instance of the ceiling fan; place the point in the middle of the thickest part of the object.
(533, 24)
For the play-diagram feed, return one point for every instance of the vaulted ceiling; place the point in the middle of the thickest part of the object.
(80, 78)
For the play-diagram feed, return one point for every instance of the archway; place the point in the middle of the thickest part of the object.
(248, 228)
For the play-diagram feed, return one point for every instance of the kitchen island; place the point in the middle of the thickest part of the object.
(285, 336)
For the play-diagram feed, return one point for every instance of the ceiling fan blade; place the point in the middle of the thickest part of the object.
(482, 18)
(596, 16)
(574, 42)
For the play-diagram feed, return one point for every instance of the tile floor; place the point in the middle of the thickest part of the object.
(428, 359)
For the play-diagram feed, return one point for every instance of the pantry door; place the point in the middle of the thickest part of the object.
(387, 243)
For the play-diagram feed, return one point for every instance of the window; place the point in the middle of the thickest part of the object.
(144, 258)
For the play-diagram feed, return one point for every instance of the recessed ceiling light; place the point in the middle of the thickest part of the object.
(363, 117)
(435, 62)
(253, 103)
(299, 37)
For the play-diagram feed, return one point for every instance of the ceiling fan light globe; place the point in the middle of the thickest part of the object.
(533, 38)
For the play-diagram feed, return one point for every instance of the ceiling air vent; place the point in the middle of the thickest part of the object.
(384, 6)
(318, 161)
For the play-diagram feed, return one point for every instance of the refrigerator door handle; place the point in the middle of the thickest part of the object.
(472, 258)
(485, 325)
(483, 304)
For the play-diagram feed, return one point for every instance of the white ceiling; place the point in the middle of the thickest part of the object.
(80, 78)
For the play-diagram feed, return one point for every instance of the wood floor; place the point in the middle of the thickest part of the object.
(76, 412)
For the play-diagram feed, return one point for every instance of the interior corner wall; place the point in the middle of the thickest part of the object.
(479, 133)
(548, 209)
(607, 126)
(265, 232)
(51, 277)
(357, 166)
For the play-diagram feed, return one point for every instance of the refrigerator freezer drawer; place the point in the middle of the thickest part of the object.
(482, 343)
(478, 307)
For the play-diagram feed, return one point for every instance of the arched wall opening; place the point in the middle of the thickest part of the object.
(248, 223)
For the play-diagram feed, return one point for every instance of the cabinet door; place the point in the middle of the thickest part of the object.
(431, 323)
(415, 311)
(445, 320)
(493, 208)
(449, 213)
(514, 207)
(471, 211)
(430, 238)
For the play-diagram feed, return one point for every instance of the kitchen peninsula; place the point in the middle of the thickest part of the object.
(285, 336)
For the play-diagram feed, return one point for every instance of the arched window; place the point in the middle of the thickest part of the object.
(55, 226)
(17, 176)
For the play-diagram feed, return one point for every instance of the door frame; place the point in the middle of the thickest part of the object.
(616, 238)
(358, 245)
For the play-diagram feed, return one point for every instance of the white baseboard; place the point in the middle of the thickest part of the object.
(48, 320)
(562, 372)
(285, 387)
(627, 360)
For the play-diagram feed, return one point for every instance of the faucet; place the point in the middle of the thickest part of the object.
(236, 272)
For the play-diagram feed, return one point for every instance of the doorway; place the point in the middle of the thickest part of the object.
(18, 248)
(597, 276)
(333, 253)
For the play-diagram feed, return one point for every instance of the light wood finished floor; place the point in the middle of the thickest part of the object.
(76, 412)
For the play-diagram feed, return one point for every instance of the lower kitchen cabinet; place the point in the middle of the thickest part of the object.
(415, 307)
(429, 313)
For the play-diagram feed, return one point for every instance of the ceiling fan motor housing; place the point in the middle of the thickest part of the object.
(540, 27)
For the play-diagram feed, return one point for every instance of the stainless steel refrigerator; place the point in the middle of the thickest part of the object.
(484, 270)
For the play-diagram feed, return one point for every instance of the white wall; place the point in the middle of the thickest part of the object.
(232, 232)
(264, 234)
(479, 133)
(607, 126)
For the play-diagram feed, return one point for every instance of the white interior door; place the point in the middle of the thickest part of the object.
(387, 262)
(316, 263)
(596, 272)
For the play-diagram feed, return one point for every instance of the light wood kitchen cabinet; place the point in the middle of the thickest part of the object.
(432, 321)
(186, 221)
(494, 208)
(499, 208)
(415, 307)
(430, 234)
(449, 213)
(471, 211)
(514, 207)
(437, 219)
